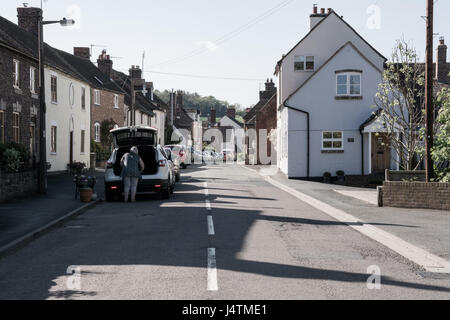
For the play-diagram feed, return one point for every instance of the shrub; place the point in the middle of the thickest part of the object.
(340, 173)
(12, 160)
(327, 175)
(14, 157)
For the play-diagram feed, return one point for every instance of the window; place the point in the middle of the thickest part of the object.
(53, 139)
(97, 132)
(348, 84)
(302, 63)
(16, 127)
(116, 101)
(83, 135)
(2, 127)
(33, 80)
(332, 140)
(83, 98)
(54, 89)
(97, 97)
(16, 73)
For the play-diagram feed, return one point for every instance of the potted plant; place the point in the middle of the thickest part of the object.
(76, 167)
(85, 186)
(340, 176)
(327, 177)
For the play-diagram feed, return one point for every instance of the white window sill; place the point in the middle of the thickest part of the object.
(333, 151)
(53, 153)
(55, 103)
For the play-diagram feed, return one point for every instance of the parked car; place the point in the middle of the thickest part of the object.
(198, 156)
(218, 157)
(157, 175)
(175, 161)
(182, 153)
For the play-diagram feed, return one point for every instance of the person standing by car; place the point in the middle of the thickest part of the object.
(132, 166)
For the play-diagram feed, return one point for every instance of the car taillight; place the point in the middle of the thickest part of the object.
(109, 165)
(162, 163)
(181, 153)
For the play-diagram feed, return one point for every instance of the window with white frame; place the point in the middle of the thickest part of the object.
(97, 97)
(304, 63)
(116, 101)
(33, 80)
(16, 127)
(348, 84)
(54, 88)
(16, 73)
(332, 140)
(83, 137)
(83, 98)
(53, 139)
(2, 127)
(97, 132)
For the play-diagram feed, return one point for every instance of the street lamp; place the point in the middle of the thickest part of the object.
(42, 134)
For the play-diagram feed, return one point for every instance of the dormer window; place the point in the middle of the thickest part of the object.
(304, 63)
(348, 84)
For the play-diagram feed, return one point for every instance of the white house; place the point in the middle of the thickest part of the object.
(68, 114)
(327, 85)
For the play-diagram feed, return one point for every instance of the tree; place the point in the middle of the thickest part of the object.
(441, 149)
(105, 136)
(400, 98)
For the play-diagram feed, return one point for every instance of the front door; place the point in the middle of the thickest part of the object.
(71, 147)
(381, 155)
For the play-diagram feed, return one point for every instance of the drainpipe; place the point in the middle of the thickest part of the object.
(308, 134)
(362, 152)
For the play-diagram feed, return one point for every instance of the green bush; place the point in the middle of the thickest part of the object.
(102, 153)
(14, 157)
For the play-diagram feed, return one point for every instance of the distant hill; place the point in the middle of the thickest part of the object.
(196, 101)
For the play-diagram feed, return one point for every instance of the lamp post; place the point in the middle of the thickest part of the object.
(42, 133)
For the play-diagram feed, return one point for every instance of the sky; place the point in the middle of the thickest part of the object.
(228, 48)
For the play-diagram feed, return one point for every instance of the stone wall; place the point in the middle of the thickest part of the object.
(416, 195)
(16, 185)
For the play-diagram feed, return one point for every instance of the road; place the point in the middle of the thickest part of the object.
(225, 234)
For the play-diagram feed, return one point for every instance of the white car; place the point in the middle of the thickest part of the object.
(157, 175)
(182, 153)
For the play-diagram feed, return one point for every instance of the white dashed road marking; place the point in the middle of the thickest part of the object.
(210, 226)
(212, 263)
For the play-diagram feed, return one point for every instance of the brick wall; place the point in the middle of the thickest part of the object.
(16, 185)
(106, 110)
(266, 118)
(416, 195)
(19, 100)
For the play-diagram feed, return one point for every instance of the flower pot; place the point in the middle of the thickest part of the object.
(86, 195)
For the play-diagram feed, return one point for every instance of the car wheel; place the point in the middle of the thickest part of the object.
(177, 177)
(109, 196)
(166, 192)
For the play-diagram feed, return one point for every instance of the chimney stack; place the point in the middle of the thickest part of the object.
(269, 91)
(213, 116)
(441, 62)
(135, 72)
(28, 19)
(316, 17)
(231, 112)
(83, 52)
(105, 64)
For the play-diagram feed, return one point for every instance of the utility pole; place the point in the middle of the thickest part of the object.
(429, 110)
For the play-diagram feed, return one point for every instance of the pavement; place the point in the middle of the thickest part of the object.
(20, 217)
(427, 229)
(226, 233)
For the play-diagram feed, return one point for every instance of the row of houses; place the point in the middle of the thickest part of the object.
(80, 96)
(322, 111)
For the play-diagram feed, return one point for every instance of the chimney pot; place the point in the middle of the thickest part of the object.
(330, 10)
(105, 64)
(315, 9)
(322, 10)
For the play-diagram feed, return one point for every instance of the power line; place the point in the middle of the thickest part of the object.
(204, 77)
(227, 36)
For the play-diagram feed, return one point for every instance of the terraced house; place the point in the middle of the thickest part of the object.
(19, 87)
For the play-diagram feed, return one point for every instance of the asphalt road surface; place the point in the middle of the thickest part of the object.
(225, 234)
